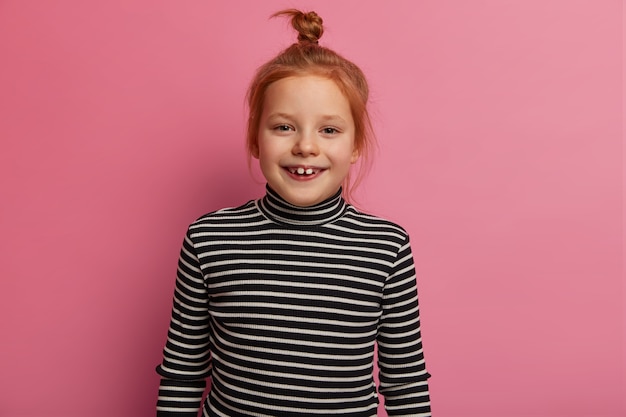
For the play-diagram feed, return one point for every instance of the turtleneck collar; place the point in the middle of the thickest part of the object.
(277, 209)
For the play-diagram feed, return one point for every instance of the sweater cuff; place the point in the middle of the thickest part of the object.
(180, 398)
(408, 400)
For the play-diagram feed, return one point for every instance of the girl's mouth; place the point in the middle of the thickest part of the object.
(303, 172)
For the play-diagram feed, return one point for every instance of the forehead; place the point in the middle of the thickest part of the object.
(305, 93)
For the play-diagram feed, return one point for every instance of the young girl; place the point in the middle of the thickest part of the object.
(282, 300)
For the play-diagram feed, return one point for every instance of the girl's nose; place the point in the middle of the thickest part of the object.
(305, 145)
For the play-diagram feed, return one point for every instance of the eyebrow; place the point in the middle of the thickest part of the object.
(280, 115)
(333, 118)
(326, 118)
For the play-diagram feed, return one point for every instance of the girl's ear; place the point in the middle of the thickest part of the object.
(254, 151)
(355, 156)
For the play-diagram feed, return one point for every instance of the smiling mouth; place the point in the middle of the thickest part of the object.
(304, 172)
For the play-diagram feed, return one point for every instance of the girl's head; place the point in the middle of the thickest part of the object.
(306, 58)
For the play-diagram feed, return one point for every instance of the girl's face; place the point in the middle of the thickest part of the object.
(305, 143)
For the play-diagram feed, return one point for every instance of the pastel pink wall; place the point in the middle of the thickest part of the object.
(500, 130)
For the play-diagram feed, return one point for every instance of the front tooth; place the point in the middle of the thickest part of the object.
(300, 170)
(309, 171)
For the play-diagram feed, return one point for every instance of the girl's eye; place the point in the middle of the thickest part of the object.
(283, 128)
(329, 130)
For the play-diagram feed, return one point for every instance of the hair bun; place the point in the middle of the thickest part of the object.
(309, 25)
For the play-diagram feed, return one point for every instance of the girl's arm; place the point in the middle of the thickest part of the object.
(186, 357)
(403, 376)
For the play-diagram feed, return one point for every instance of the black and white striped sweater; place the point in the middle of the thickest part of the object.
(281, 306)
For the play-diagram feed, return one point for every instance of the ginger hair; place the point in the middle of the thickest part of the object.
(307, 57)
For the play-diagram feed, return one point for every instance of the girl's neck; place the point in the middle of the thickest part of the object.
(283, 212)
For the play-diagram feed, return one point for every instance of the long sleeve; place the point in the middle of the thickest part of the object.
(403, 376)
(186, 356)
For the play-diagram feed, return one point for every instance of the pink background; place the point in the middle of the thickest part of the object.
(500, 130)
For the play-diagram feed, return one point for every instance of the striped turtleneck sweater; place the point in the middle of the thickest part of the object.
(282, 307)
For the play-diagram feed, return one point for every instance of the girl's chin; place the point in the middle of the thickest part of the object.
(304, 198)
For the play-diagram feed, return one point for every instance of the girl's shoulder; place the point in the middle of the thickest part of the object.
(367, 222)
(228, 215)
